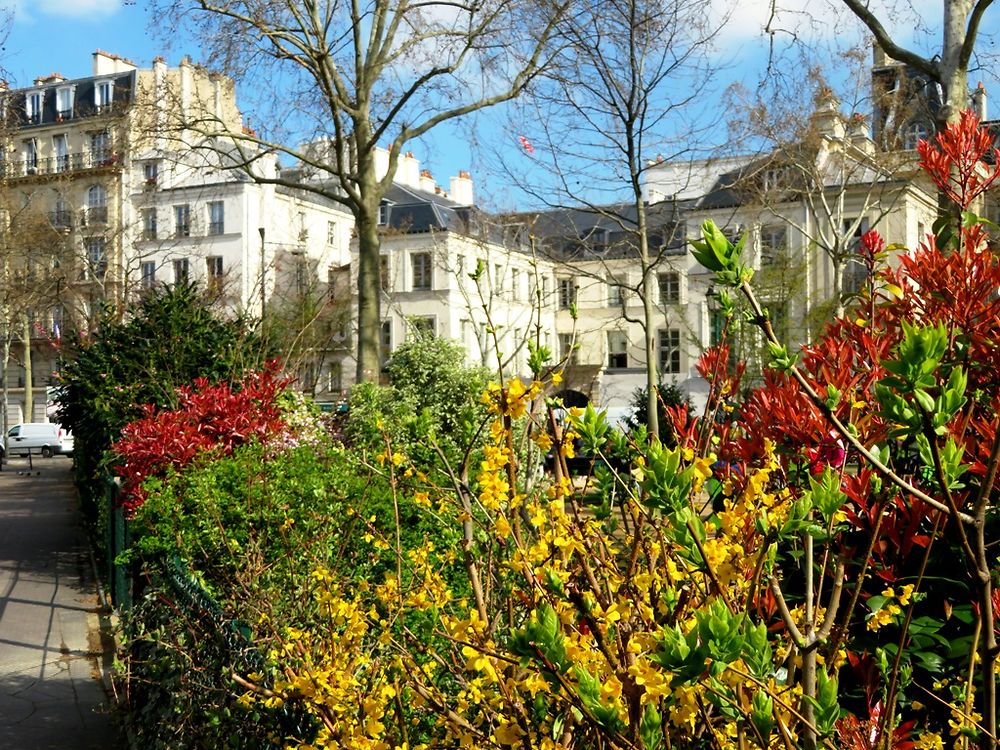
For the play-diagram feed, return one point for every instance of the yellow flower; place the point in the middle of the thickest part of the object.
(905, 593)
(503, 527)
(543, 440)
(507, 733)
(929, 741)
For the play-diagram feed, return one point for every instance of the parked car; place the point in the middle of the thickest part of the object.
(44, 438)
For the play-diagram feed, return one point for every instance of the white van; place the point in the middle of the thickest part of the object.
(38, 438)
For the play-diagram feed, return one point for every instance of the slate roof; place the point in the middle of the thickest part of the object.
(604, 233)
(84, 102)
(417, 211)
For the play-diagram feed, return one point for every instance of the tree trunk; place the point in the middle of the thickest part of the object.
(838, 284)
(29, 396)
(369, 284)
(648, 323)
(4, 386)
(954, 72)
(954, 79)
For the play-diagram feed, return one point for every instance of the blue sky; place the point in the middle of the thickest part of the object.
(60, 35)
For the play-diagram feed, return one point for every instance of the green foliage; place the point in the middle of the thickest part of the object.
(253, 527)
(172, 339)
(430, 374)
(666, 484)
(668, 395)
(719, 254)
(433, 397)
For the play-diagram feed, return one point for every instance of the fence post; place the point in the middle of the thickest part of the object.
(119, 576)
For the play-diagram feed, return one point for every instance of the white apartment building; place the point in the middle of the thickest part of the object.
(132, 198)
(138, 199)
(433, 242)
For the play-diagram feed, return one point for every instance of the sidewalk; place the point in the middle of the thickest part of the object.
(51, 656)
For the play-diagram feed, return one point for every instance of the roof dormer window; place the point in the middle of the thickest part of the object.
(383, 213)
(33, 106)
(104, 92)
(64, 102)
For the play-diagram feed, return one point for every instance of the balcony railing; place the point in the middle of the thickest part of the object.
(57, 164)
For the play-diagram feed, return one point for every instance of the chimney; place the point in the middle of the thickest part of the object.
(979, 101)
(461, 189)
(408, 171)
(826, 119)
(858, 133)
(879, 58)
(381, 162)
(50, 78)
(427, 183)
(106, 63)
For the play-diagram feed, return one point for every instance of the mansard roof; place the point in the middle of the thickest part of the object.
(84, 99)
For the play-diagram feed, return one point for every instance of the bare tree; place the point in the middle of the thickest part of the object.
(622, 91)
(354, 75)
(950, 66)
(33, 257)
(820, 174)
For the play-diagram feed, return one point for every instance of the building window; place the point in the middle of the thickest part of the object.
(497, 279)
(62, 217)
(216, 218)
(617, 350)
(335, 378)
(421, 326)
(64, 102)
(30, 156)
(383, 214)
(100, 148)
(773, 244)
(60, 145)
(385, 341)
(151, 172)
(515, 285)
(670, 287)
(568, 350)
(182, 220)
(97, 257)
(104, 93)
(567, 293)
(214, 270)
(148, 271)
(913, 134)
(300, 273)
(669, 341)
(331, 233)
(385, 280)
(33, 106)
(616, 293)
(149, 224)
(421, 267)
(97, 204)
(181, 271)
(855, 272)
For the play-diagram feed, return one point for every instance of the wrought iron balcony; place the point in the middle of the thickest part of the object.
(66, 163)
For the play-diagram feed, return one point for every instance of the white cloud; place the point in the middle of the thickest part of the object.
(30, 10)
(818, 20)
